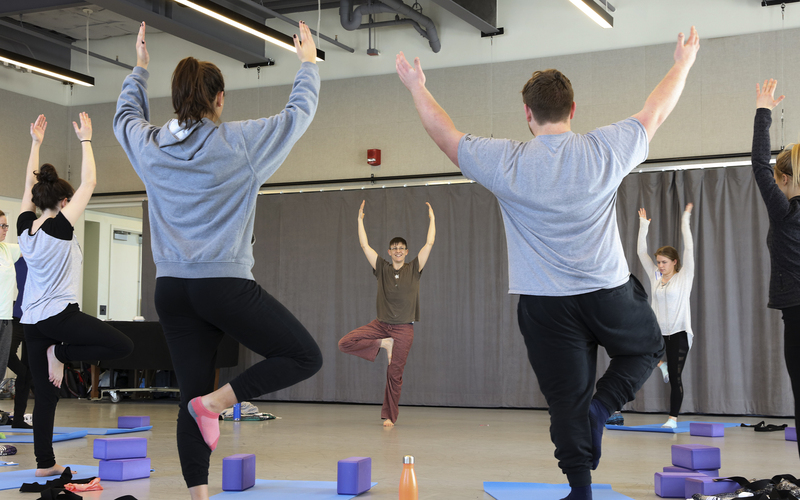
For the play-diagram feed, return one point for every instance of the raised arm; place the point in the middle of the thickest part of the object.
(37, 137)
(83, 194)
(371, 254)
(435, 120)
(761, 154)
(688, 242)
(426, 250)
(665, 96)
(641, 245)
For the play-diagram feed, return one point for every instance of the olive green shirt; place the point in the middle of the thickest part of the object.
(398, 292)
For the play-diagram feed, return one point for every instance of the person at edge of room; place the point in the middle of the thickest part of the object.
(56, 331)
(780, 188)
(9, 254)
(670, 289)
(202, 178)
(398, 309)
(19, 364)
(557, 195)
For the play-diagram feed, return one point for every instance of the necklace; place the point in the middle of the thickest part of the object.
(397, 272)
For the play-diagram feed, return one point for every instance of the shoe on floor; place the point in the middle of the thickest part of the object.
(670, 424)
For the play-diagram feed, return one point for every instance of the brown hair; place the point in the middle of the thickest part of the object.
(788, 163)
(671, 254)
(549, 95)
(2, 214)
(49, 188)
(396, 240)
(195, 85)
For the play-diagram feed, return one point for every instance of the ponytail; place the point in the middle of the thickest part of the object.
(195, 85)
(49, 189)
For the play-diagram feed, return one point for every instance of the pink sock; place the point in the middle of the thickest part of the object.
(207, 421)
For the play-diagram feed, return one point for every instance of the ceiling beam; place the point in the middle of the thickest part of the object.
(17, 7)
(479, 13)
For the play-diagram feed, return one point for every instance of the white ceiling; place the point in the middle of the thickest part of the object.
(533, 29)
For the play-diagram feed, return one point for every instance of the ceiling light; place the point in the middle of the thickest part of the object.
(46, 69)
(245, 24)
(595, 12)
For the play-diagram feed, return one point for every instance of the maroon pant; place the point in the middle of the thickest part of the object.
(365, 342)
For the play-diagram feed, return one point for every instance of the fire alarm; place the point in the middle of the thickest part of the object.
(374, 157)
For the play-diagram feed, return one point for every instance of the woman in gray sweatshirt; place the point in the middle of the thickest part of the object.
(202, 178)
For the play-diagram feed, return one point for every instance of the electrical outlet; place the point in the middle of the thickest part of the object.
(102, 310)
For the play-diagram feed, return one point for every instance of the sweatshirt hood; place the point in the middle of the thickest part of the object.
(183, 142)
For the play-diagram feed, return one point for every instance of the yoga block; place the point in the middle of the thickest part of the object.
(696, 456)
(791, 433)
(132, 422)
(673, 484)
(124, 470)
(238, 472)
(707, 486)
(119, 448)
(707, 430)
(354, 476)
(707, 472)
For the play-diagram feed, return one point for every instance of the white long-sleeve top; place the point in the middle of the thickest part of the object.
(670, 301)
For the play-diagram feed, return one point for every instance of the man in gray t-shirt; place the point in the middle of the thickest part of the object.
(557, 195)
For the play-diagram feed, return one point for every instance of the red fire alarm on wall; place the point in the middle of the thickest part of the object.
(374, 157)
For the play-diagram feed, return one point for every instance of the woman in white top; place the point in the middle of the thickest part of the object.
(670, 288)
(9, 254)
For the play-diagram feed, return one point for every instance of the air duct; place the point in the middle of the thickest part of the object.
(351, 19)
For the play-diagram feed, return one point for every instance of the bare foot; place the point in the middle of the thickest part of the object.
(55, 367)
(55, 470)
(388, 423)
(388, 344)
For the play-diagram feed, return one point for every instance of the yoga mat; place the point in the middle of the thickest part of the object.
(28, 437)
(543, 491)
(91, 431)
(13, 479)
(682, 427)
(280, 490)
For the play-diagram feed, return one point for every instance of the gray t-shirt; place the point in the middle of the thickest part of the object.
(558, 195)
(54, 261)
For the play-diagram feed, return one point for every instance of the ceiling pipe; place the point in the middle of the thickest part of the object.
(351, 19)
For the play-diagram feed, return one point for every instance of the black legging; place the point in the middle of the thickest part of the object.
(791, 351)
(195, 314)
(22, 387)
(677, 346)
(77, 337)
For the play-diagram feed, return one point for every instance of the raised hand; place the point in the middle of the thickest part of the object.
(765, 96)
(412, 78)
(142, 56)
(38, 128)
(361, 210)
(643, 214)
(685, 53)
(689, 207)
(84, 132)
(304, 43)
(430, 210)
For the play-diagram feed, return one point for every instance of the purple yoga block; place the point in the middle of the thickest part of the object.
(114, 449)
(238, 472)
(673, 484)
(696, 456)
(707, 486)
(131, 422)
(707, 430)
(791, 433)
(354, 476)
(707, 472)
(124, 470)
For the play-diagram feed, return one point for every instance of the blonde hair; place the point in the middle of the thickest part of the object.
(788, 163)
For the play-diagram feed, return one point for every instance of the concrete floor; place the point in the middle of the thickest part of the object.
(456, 449)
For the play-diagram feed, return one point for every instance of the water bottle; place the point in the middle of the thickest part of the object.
(237, 412)
(408, 481)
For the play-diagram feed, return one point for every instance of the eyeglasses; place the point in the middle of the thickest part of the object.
(397, 248)
(3, 226)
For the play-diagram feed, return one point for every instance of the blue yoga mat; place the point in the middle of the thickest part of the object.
(543, 491)
(13, 479)
(28, 437)
(91, 431)
(280, 490)
(682, 427)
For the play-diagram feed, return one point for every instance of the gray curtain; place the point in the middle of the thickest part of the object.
(467, 348)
